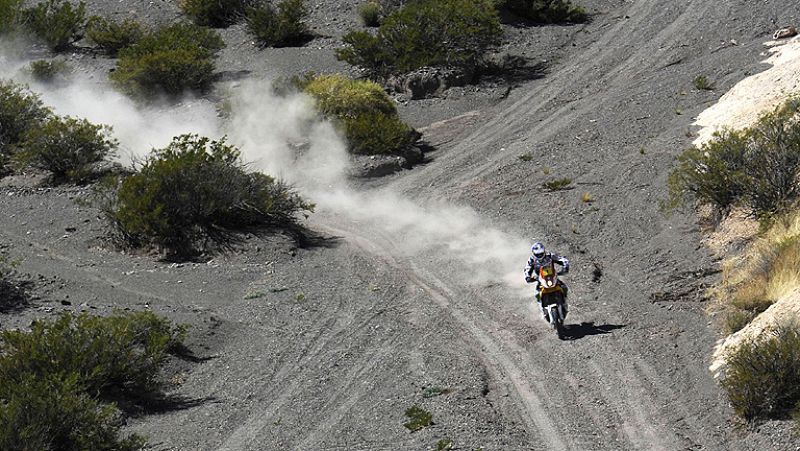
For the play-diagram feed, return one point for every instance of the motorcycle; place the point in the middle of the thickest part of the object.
(553, 297)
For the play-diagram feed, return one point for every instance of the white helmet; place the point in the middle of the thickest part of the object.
(537, 250)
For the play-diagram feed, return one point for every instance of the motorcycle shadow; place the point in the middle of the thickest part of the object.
(578, 331)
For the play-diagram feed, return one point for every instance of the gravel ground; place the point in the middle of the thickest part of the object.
(326, 347)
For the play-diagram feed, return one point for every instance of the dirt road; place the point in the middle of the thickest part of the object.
(325, 348)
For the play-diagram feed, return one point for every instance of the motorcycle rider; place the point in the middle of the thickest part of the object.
(538, 258)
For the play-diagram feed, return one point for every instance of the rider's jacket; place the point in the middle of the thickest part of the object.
(534, 264)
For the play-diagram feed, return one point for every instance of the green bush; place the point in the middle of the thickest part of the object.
(365, 114)
(67, 147)
(10, 16)
(111, 357)
(445, 33)
(702, 83)
(52, 412)
(171, 60)
(377, 133)
(763, 377)
(113, 36)
(57, 22)
(53, 376)
(195, 193)
(557, 184)
(20, 111)
(756, 168)
(370, 13)
(418, 418)
(281, 27)
(214, 13)
(47, 71)
(368, 52)
(545, 11)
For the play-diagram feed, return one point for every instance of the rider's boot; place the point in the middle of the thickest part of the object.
(541, 309)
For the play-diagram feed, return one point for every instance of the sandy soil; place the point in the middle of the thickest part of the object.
(325, 348)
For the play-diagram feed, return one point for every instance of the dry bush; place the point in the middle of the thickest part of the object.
(113, 36)
(370, 13)
(281, 26)
(20, 111)
(768, 271)
(45, 71)
(756, 168)
(442, 33)
(56, 375)
(196, 194)
(763, 377)
(365, 114)
(214, 13)
(69, 148)
(171, 60)
(57, 22)
(119, 355)
(10, 16)
(53, 412)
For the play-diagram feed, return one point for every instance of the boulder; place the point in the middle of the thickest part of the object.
(784, 33)
(427, 81)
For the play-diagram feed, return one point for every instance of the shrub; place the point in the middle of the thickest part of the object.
(281, 27)
(10, 15)
(113, 36)
(756, 168)
(418, 418)
(702, 83)
(47, 71)
(214, 13)
(119, 355)
(735, 320)
(52, 412)
(370, 13)
(20, 110)
(768, 271)
(377, 133)
(446, 33)
(365, 114)
(196, 192)
(557, 184)
(763, 377)
(171, 60)
(53, 374)
(545, 11)
(67, 147)
(56, 22)
(712, 174)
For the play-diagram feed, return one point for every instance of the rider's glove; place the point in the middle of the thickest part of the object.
(528, 280)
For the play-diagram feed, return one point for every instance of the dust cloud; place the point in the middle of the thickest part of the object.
(138, 128)
(284, 137)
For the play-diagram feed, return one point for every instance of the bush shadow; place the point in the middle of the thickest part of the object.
(157, 403)
(584, 329)
(510, 69)
(14, 295)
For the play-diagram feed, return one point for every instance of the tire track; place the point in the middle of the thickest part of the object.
(291, 378)
(538, 423)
